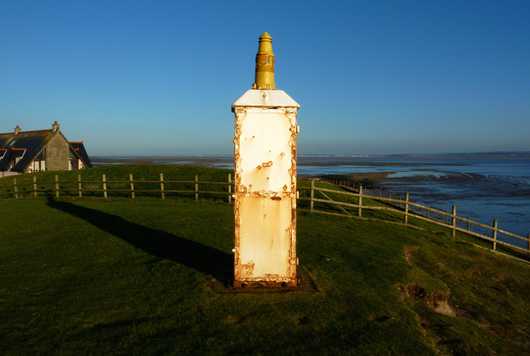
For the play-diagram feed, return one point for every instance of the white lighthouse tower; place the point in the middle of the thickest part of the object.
(265, 180)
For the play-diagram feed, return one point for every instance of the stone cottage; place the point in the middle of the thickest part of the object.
(40, 150)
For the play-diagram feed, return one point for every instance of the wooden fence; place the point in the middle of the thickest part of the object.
(107, 187)
(354, 203)
(334, 200)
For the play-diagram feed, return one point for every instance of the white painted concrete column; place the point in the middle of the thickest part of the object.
(265, 188)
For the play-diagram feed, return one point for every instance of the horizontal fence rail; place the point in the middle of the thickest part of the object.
(337, 201)
(341, 200)
(129, 187)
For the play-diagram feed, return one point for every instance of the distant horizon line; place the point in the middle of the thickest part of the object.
(352, 155)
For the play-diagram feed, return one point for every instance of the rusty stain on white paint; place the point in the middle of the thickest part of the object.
(265, 133)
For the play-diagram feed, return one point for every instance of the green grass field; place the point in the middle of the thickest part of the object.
(145, 277)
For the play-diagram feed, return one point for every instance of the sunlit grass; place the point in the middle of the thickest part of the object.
(137, 277)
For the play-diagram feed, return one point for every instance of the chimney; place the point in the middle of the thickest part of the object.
(55, 126)
(17, 130)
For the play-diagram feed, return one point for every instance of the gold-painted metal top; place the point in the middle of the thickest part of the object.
(264, 64)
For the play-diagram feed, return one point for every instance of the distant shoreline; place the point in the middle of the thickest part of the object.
(325, 160)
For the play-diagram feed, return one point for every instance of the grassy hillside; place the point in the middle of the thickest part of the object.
(146, 276)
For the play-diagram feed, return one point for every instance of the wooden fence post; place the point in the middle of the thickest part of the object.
(79, 186)
(104, 183)
(35, 187)
(162, 191)
(57, 188)
(196, 187)
(495, 228)
(407, 198)
(15, 188)
(311, 201)
(131, 185)
(453, 220)
(360, 211)
(229, 188)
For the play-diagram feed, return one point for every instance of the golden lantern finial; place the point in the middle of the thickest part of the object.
(264, 64)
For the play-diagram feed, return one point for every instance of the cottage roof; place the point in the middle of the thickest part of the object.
(4, 138)
(79, 149)
(25, 145)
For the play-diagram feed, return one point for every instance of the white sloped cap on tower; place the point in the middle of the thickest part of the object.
(265, 99)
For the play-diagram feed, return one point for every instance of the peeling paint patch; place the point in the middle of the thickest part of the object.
(247, 269)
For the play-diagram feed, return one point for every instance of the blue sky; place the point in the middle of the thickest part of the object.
(158, 77)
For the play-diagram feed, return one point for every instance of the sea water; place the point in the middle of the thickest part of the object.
(483, 186)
